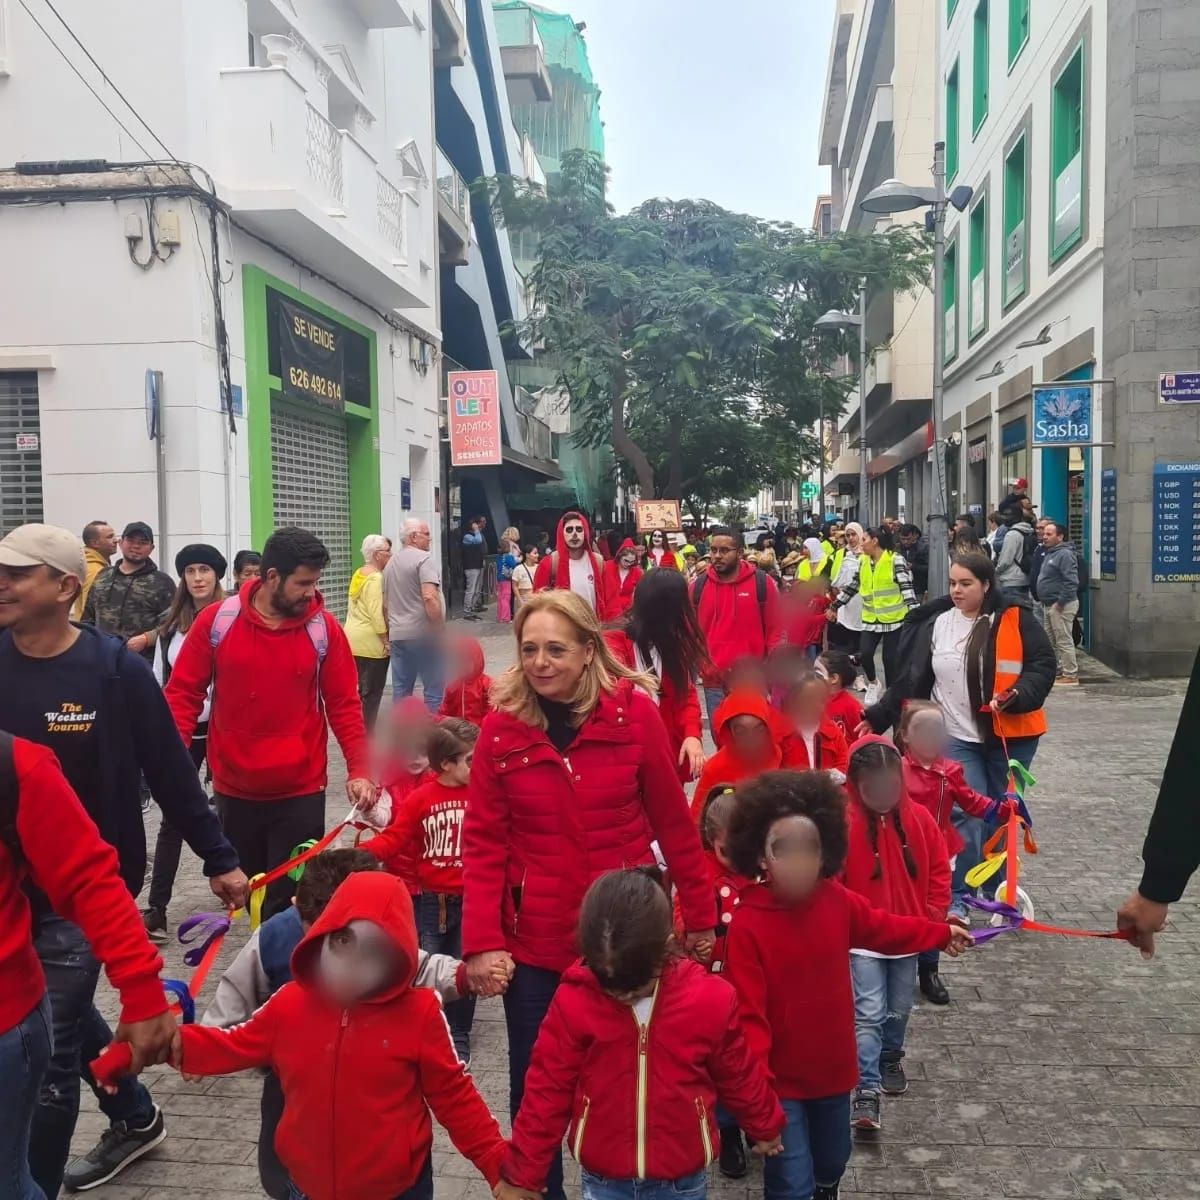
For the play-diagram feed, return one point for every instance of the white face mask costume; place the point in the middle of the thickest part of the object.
(355, 961)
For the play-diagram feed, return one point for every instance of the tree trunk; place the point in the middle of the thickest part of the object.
(626, 447)
(674, 488)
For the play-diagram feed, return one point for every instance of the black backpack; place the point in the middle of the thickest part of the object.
(760, 591)
(1029, 545)
(9, 799)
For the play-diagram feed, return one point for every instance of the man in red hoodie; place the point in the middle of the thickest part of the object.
(47, 838)
(283, 673)
(738, 609)
(574, 567)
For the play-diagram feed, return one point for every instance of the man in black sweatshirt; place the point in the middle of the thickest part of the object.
(96, 704)
(1171, 852)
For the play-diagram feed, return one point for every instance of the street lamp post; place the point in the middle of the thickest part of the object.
(892, 197)
(837, 319)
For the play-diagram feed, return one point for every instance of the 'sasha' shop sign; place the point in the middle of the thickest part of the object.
(312, 357)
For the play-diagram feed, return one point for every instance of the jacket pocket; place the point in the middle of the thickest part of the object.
(706, 1142)
(581, 1129)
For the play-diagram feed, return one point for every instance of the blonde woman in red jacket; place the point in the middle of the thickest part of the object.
(573, 776)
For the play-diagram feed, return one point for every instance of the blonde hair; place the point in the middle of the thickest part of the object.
(512, 535)
(512, 693)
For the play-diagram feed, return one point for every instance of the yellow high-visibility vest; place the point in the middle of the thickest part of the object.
(883, 602)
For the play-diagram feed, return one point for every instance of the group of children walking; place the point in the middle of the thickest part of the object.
(829, 859)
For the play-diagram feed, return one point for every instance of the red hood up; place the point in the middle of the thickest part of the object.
(562, 577)
(366, 896)
(627, 544)
(873, 739)
(749, 704)
(474, 652)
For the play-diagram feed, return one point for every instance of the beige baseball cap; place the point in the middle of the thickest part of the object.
(43, 545)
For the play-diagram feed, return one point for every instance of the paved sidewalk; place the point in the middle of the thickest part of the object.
(1062, 1069)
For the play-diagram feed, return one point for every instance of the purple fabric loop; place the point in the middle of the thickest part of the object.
(179, 994)
(1012, 919)
(200, 931)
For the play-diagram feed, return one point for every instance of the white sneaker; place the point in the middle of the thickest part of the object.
(874, 691)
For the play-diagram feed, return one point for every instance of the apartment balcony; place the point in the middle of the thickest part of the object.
(843, 465)
(381, 14)
(449, 33)
(293, 177)
(454, 213)
(523, 57)
(873, 155)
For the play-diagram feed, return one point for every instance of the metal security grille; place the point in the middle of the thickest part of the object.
(20, 450)
(311, 479)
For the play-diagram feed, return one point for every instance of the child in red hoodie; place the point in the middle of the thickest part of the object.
(896, 861)
(806, 605)
(788, 957)
(403, 767)
(843, 708)
(361, 1054)
(429, 826)
(749, 734)
(816, 743)
(636, 1097)
(468, 696)
(937, 784)
(621, 577)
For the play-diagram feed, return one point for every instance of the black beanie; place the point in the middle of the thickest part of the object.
(200, 554)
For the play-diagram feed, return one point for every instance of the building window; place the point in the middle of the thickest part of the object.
(977, 273)
(952, 123)
(951, 5)
(1014, 454)
(1067, 159)
(1018, 29)
(950, 311)
(980, 69)
(1016, 226)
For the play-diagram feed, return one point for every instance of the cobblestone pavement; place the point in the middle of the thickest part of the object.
(1062, 1068)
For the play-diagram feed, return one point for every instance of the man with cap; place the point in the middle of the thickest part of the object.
(129, 598)
(83, 694)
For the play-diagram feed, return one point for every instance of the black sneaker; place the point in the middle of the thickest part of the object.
(155, 920)
(864, 1113)
(117, 1148)
(732, 1162)
(826, 1191)
(932, 987)
(895, 1082)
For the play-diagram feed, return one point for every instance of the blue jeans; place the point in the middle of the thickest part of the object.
(24, 1056)
(421, 1190)
(883, 1000)
(439, 928)
(816, 1148)
(712, 701)
(80, 1034)
(596, 1187)
(418, 658)
(525, 1005)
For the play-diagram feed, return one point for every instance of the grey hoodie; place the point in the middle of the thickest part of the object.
(1008, 562)
(1058, 581)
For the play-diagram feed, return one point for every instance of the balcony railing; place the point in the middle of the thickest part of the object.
(537, 435)
(323, 156)
(516, 27)
(453, 187)
(392, 215)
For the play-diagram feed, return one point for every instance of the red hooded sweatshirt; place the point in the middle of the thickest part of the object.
(790, 966)
(735, 624)
(876, 866)
(727, 765)
(273, 703)
(846, 711)
(554, 570)
(829, 744)
(937, 789)
(468, 697)
(67, 859)
(620, 591)
(400, 783)
(638, 1102)
(428, 828)
(358, 1083)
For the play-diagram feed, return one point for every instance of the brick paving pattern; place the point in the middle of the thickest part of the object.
(1062, 1068)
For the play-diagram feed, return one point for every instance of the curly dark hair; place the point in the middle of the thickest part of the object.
(778, 794)
(324, 874)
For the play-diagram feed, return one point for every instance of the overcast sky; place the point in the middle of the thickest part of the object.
(713, 99)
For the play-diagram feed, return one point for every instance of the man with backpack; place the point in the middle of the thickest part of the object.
(1014, 560)
(738, 609)
(95, 703)
(575, 567)
(282, 673)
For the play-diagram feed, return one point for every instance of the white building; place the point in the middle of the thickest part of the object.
(1023, 116)
(316, 320)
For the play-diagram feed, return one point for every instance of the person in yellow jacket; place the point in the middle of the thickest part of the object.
(99, 545)
(885, 583)
(366, 625)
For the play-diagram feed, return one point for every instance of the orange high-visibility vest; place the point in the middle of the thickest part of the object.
(1010, 661)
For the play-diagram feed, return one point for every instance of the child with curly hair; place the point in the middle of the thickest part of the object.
(788, 957)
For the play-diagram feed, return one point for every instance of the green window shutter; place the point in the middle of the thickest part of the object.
(950, 306)
(1016, 225)
(1018, 28)
(1067, 159)
(952, 113)
(980, 69)
(977, 271)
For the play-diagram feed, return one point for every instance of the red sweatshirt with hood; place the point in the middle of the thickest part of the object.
(727, 765)
(554, 570)
(272, 704)
(620, 591)
(638, 1102)
(468, 697)
(937, 788)
(358, 1083)
(876, 867)
(400, 783)
(735, 624)
(64, 855)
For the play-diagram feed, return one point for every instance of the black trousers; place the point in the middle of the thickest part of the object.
(891, 653)
(263, 832)
(372, 675)
(169, 844)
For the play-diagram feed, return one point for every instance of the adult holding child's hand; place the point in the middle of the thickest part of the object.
(573, 776)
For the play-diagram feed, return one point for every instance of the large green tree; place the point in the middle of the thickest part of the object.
(683, 333)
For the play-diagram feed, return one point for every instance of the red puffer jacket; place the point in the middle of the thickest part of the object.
(830, 744)
(680, 712)
(638, 1100)
(541, 826)
(937, 789)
